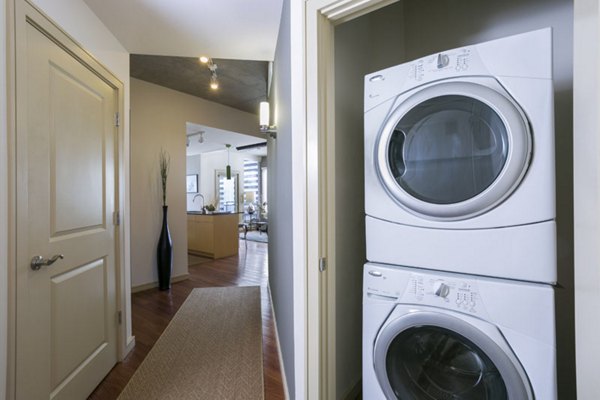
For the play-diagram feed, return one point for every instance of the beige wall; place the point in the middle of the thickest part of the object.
(158, 118)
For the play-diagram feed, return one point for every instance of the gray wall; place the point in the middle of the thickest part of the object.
(415, 28)
(280, 199)
(355, 56)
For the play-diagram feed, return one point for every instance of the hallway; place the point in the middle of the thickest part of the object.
(152, 311)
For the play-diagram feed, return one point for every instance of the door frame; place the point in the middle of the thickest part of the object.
(25, 9)
(586, 196)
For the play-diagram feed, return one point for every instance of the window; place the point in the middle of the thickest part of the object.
(263, 185)
(228, 191)
(251, 182)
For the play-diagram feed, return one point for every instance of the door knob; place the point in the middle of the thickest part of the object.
(38, 262)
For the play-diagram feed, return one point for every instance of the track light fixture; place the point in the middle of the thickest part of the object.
(214, 81)
(200, 139)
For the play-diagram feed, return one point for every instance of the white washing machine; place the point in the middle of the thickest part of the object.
(450, 336)
(459, 161)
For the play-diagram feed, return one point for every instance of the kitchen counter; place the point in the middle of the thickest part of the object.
(213, 235)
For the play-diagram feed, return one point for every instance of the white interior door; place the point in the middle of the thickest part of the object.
(66, 312)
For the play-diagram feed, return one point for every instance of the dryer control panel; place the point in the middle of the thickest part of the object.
(457, 294)
(427, 68)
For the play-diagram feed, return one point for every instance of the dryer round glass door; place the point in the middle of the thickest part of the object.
(435, 356)
(453, 150)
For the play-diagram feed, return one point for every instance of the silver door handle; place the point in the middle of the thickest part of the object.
(38, 262)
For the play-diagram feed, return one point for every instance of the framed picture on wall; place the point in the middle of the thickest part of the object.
(192, 183)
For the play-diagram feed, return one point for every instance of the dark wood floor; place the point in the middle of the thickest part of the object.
(152, 310)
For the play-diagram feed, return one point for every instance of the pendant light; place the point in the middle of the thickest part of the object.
(228, 168)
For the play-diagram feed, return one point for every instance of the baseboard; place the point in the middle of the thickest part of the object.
(152, 285)
(201, 253)
(129, 346)
(286, 390)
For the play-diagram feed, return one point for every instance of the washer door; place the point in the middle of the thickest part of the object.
(453, 150)
(429, 355)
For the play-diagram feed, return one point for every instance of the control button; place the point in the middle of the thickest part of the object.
(441, 289)
(376, 78)
(442, 60)
(375, 273)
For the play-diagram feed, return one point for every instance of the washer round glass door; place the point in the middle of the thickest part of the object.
(453, 150)
(427, 355)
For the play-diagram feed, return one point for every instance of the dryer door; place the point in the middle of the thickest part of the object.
(430, 355)
(453, 150)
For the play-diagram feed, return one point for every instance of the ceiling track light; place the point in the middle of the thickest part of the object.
(200, 139)
(214, 83)
(212, 67)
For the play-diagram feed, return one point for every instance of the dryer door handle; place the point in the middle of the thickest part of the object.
(396, 147)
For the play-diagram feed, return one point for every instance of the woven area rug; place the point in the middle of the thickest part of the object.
(212, 349)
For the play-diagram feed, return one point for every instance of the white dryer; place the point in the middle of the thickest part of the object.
(459, 161)
(451, 336)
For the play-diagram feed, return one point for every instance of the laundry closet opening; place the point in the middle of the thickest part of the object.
(402, 32)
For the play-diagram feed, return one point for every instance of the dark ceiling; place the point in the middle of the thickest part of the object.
(242, 84)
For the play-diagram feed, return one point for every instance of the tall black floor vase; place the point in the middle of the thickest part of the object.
(164, 254)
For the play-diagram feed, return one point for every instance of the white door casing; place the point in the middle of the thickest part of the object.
(66, 184)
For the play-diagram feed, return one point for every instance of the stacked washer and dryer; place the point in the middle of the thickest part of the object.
(460, 225)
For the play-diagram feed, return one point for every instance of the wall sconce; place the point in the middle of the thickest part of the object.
(265, 120)
(214, 81)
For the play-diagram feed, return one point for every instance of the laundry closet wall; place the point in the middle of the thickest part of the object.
(363, 45)
(412, 29)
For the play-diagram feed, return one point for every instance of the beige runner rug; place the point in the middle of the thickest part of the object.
(212, 349)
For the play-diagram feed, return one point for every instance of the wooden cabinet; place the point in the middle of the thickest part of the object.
(213, 235)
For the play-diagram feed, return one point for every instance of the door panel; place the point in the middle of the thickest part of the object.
(84, 150)
(66, 312)
(79, 327)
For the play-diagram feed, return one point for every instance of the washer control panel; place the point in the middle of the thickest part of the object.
(455, 61)
(457, 294)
